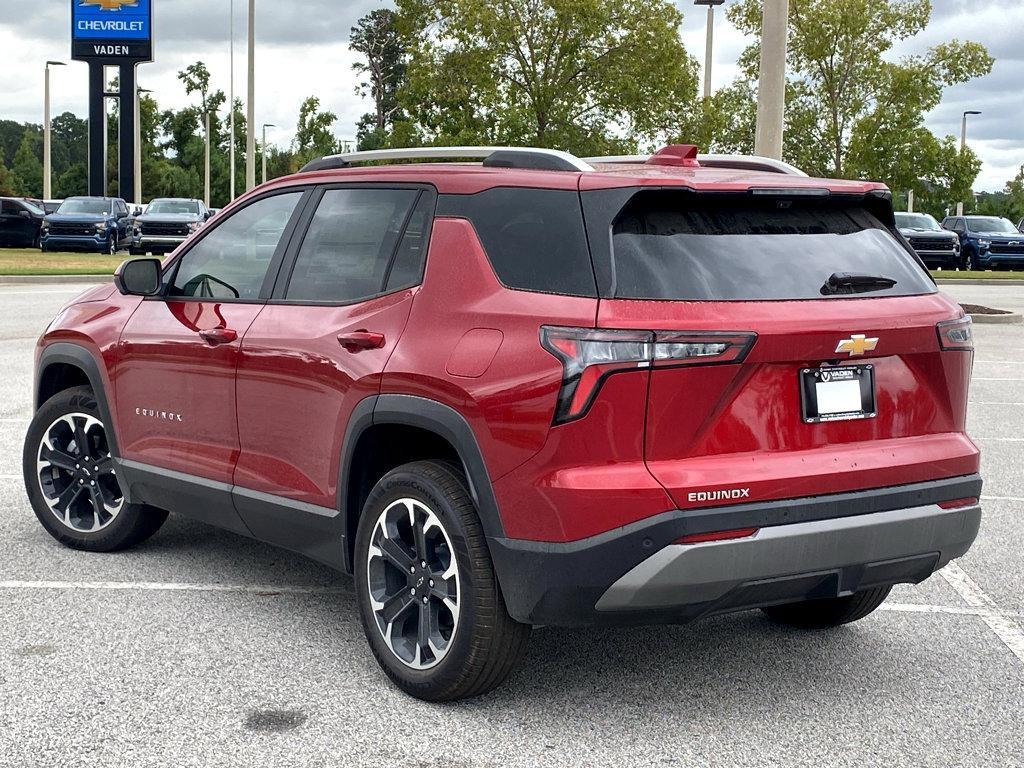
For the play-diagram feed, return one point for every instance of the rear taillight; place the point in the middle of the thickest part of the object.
(589, 356)
(955, 334)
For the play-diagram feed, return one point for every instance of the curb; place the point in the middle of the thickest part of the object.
(1010, 318)
(53, 279)
(980, 281)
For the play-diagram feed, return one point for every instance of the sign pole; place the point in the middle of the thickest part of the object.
(126, 134)
(97, 129)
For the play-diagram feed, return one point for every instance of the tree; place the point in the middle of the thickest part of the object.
(376, 36)
(28, 167)
(848, 104)
(587, 76)
(313, 137)
(9, 185)
(74, 181)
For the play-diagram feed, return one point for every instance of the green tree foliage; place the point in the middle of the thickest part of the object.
(28, 165)
(313, 137)
(382, 69)
(851, 109)
(8, 183)
(587, 76)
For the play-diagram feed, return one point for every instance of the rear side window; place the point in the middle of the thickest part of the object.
(682, 247)
(534, 238)
(348, 248)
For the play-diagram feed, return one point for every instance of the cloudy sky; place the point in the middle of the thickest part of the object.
(303, 50)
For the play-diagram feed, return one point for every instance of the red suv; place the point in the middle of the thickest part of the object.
(533, 391)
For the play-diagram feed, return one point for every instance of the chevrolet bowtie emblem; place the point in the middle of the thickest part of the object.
(858, 344)
(109, 5)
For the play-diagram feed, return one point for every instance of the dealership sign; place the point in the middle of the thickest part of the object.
(112, 30)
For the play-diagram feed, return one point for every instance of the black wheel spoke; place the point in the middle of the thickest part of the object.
(81, 440)
(395, 606)
(424, 627)
(395, 553)
(66, 498)
(58, 458)
(420, 539)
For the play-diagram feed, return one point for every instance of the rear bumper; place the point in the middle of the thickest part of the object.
(805, 548)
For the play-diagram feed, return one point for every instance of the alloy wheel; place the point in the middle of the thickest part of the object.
(413, 582)
(76, 473)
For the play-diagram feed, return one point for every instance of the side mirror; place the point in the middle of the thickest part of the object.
(138, 277)
(24, 214)
(208, 215)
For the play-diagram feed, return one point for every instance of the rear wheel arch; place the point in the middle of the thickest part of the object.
(387, 431)
(63, 366)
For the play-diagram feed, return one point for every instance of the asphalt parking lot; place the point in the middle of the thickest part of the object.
(205, 648)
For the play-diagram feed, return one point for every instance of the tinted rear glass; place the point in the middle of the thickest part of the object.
(672, 246)
(534, 238)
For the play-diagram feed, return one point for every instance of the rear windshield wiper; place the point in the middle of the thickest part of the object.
(855, 283)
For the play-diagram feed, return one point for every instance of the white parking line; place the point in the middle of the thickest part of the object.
(996, 379)
(10, 477)
(174, 587)
(995, 403)
(1002, 499)
(1005, 628)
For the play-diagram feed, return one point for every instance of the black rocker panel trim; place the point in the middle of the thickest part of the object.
(66, 353)
(314, 531)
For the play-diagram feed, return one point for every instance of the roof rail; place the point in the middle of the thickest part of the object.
(501, 157)
(746, 162)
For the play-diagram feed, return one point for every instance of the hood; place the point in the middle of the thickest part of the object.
(1002, 237)
(937, 234)
(79, 218)
(183, 218)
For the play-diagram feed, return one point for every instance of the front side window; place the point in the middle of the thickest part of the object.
(348, 248)
(232, 260)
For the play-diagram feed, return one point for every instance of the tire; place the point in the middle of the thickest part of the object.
(829, 612)
(469, 651)
(79, 523)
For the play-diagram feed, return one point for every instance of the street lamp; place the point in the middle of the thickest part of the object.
(710, 41)
(47, 160)
(137, 193)
(963, 146)
(263, 149)
(250, 134)
(231, 104)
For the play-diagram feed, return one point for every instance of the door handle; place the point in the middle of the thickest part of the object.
(354, 341)
(216, 336)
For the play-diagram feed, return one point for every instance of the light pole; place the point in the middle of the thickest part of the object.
(263, 149)
(771, 89)
(250, 117)
(963, 146)
(231, 104)
(137, 193)
(47, 160)
(710, 41)
(206, 162)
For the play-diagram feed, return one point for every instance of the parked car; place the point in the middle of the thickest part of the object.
(167, 223)
(88, 224)
(936, 246)
(987, 241)
(535, 391)
(20, 221)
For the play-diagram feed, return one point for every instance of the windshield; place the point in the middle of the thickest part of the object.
(916, 222)
(670, 246)
(33, 207)
(173, 207)
(991, 224)
(94, 206)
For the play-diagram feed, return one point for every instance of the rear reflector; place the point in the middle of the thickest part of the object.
(951, 504)
(715, 536)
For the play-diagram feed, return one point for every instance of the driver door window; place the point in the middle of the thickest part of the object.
(232, 260)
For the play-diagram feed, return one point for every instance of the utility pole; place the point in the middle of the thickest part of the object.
(910, 201)
(206, 162)
(771, 89)
(963, 146)
(263, 149)
(250, 115)
(47, 157)
(137, 197)
(231, 104)
(709, 43)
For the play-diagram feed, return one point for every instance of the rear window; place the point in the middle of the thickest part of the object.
(682, 247)
(534, 238)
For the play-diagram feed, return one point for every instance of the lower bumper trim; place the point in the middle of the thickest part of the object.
(838, 556)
